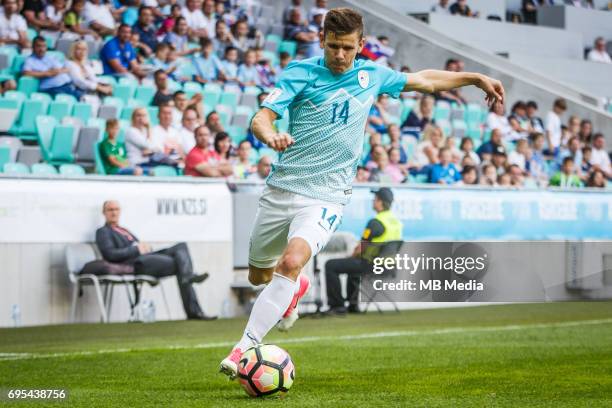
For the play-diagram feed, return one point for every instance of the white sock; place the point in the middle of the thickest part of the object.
(268, 309)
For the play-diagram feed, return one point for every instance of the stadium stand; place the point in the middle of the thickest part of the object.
(64, 130)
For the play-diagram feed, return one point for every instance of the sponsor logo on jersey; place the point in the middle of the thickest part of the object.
(276, 92)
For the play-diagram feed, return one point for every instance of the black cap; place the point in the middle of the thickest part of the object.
(499, 150)
(385, 194)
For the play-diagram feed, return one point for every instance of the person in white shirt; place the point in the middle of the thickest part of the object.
(13, 27)
(99, 18)
(139, 141)
(553, 124)
(519, 155)
(496, 119)
(208, 11)
(197, 22)
(167, 136)
(82, 72)
(599, 156)
(441, 7)
(189, 125)
(599, 53)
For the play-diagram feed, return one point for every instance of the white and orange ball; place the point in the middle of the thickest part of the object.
(266, 369)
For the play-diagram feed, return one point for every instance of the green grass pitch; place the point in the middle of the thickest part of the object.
(523, 355)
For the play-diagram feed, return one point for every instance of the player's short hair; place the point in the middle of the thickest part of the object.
(342, 21)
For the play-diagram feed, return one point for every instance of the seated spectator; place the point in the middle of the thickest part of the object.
(395, 142)
(73, 20)
(264, 166)
(163, 95)
(573, 126)
(113, 153)
(223, 39)
(485, 151)
(167, 136)
(146, 31)
(585, 134)
(242, 162)
(119, 57)
(203, 162)
(320, 6)
(535, 121)
(99, 18)
(169, 21)
(418, 119)
(496, 119)
(585, 165)
(572, 150)
(162, 60)
(178, 38)
(82, 71)
(207, 65)
(299, 31)
(119, 245)
(198, 24)
(266, 73)
(504, 180)
(427, 150)
(519, 155)
(466, 148)
(456, 154)
(55, 11)
(600, 157)
(213, 122)
(519, 122)
(499, 160)
(181, 103)
(489, 175)
(315, 18)
(295, 4)
(536, 160)
(189, 123)
(362, 175)
(469, 176)
(223, 145)
(381, 169)
(395, 164)
(230, 65)
(244, 38)
(442, 7)
(13, 27)
(208, 11)
(597, 179)
(53, 74)
(567, 176)
(283, 60)
(599, 52)
(34, 13)
(461, 8)
(553, 125)
(142, 149)
(378, 118)
(444, 172)
(247, 73)
(517, 176)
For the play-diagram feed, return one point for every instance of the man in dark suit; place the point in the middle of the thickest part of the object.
(119, 245)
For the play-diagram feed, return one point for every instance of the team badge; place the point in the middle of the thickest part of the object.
(364, 79)
(276, 92)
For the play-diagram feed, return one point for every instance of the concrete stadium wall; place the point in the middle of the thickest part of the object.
(421, 46)
(595, 78)
(499, 37)
(590, 23)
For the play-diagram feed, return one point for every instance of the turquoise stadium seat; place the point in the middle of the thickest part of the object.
(25, 127)
(288, 46)
(5, 156)
(108, 79)
(43, 169)
(192, 88)
(16, 95)
(66, 98)
(124, 92)
(44, 129)
(71, 170)
(126, 113)
(16, 168)
(27, 85)
(113, 101)
(98, 160)
(441, 111)
(237, 133)
(40, 96)
(211, 95)
(60, 110)
(473, 114)
(59, 149)
(82, 111)
(6, 103)
(17, 64)
(164, 171)
(144, 94)
(153, 111)
(229, 99)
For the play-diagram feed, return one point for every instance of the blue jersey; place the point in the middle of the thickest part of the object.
(327, 119)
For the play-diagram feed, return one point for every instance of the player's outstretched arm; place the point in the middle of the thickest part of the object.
(263, 129)
(431, 81)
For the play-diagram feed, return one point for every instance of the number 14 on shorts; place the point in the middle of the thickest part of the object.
(328, 220)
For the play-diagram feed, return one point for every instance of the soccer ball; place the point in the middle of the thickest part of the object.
(265, 369)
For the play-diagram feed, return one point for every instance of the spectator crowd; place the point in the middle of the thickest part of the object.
(211, 43)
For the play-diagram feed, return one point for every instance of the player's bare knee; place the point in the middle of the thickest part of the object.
(290, 266)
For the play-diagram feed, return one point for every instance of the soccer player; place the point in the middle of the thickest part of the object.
(328, 99)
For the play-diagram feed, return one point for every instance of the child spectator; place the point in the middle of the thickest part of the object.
(73, 20)
(242, 163)
(113, 153)
(444, 172)
(230, 64)
(207, 65)
(247, 73)
(469, 176)
(161, 60)
(566, 177)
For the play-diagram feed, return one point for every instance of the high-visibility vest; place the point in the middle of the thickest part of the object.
(393, 227)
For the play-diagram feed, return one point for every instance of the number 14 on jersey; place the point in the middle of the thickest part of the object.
(340, 113)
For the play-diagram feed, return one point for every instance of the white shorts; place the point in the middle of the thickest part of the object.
(283, 215)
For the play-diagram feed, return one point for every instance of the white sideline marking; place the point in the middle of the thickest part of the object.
(401, 333)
